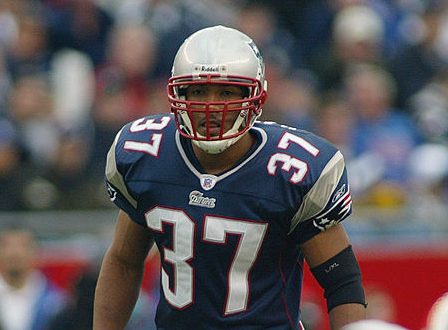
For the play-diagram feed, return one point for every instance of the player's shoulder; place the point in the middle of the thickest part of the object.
(142, 127)
(141, 137)
(296, 140)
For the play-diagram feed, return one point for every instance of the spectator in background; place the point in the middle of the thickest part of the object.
(275, 43)
(73, 89)
(8, 36)
(29, 53)
(8, 24)
(292, 100)
(14, 174)
(78, 313)
(314, 24)
(28, 301)
(429, 182)
(429, 107)
(292, 87)
(5, 85)
(381, 134)
(123, 86)
(172, 21)
(30, 107)
(126, 75)
(67, 177)
(81, 25)
(357, 37)
(334, 121)
(415, 65)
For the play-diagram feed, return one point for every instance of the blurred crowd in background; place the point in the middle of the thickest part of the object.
(370, 76)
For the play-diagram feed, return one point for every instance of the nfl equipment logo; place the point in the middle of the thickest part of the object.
(208, 181)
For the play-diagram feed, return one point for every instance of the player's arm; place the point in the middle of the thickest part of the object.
(121, 275)
(333, 263)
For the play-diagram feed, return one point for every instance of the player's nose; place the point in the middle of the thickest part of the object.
(215, 102)
(213, 96)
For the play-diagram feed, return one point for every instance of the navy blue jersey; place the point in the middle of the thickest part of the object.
(229, 243)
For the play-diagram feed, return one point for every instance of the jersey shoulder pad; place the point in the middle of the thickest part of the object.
(328, 201)
(131, 144)
(297, 141)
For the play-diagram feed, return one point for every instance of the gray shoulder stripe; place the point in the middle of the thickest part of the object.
(114, 177)
(317, 198)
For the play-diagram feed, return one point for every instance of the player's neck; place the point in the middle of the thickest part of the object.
(219, 163)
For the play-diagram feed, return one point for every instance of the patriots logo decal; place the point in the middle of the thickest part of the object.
(340, 208)
(324, 223)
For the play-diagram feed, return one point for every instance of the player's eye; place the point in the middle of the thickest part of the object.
(195, 91)
(232, 92)
(227, 93)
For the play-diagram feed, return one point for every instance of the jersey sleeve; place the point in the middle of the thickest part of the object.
(116, 186)
(327, 203)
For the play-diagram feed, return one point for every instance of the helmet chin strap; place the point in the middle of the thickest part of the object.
(216, 147)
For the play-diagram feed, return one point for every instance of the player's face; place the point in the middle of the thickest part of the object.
(214, 93)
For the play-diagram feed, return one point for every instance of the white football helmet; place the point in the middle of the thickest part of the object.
(438, 314)
(372, 324)
(217, 55)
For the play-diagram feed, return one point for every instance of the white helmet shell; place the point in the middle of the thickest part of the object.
(217, 55)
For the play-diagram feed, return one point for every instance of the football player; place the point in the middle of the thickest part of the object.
(234, 205)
